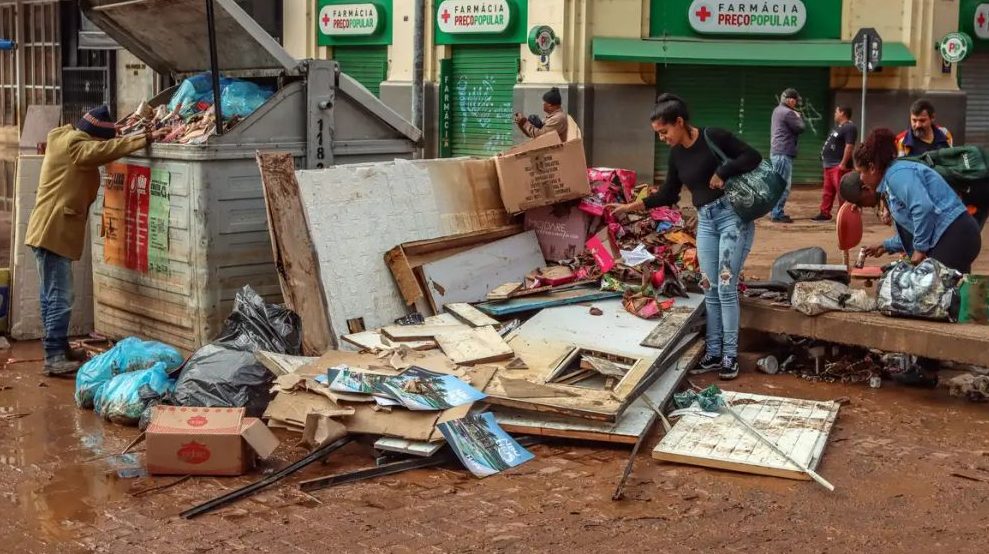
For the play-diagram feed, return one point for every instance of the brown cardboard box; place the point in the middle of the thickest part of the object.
(205, 441)
(561, 230)
(541, 172)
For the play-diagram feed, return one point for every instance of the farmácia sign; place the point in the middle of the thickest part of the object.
(473, 16)
(348, 19)
(769, 17)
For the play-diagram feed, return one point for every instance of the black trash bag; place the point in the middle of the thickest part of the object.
(225, 373)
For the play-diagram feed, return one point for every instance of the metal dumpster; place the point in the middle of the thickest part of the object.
(217, 237)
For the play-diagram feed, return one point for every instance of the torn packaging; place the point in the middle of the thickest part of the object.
(542, 172)
(561, 230)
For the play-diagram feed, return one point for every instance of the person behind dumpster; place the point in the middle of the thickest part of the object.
(556, 118)
(924, 134)
(837, 159)
(787, 124)
(931, 221)
(723, 239)
(67, 187)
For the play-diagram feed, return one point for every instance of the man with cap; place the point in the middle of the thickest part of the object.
(556, 118)
(787, 124)
(69, 181)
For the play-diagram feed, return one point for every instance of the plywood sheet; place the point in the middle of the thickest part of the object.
(673, 325)
(470, 315)
(545, 300)
(471, 274)
(413, 448)
(798, 427)
(294, 252)
(474, 346)
(374, 341)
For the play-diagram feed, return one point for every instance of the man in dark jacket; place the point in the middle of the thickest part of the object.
(787, 126)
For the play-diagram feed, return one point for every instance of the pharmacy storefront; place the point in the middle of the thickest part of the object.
(731, 60)
(477, 81)
(359, 34)
(973, 71)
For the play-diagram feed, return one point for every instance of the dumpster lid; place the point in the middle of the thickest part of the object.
(171, 36)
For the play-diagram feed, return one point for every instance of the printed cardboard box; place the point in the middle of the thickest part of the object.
(561, 230)
(205, 441)
(542, 172)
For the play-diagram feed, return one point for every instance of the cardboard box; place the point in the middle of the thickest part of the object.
(205, 441)
(561, 230)
(605, 253)
(542, 172)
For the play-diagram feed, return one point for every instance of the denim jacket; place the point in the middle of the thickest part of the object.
(921, 202)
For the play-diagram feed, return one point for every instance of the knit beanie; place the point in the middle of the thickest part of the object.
(98, 123)
(553, 97)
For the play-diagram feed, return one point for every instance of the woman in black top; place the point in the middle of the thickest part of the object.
(723, 239)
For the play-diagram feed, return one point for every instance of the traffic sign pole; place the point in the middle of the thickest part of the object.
(865, 80)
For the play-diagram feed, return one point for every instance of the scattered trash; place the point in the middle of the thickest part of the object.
(482, 446)
(972, 387)
(130, 354)
(124, 398)
(818, 297)
(596, 311)
(928, 290)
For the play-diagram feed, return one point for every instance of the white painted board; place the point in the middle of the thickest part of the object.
(798, 427)
(468, 276)
(616, 330)
(414, 448)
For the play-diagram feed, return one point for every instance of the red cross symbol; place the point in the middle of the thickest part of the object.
(982, 19)
(326, 20)
(703, 14)
(445, 16)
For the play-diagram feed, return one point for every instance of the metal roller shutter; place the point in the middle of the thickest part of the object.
(367, 64)
(741, 100)
(484, 78)
(973, 78)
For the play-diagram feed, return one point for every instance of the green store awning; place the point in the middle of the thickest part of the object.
(792, 53)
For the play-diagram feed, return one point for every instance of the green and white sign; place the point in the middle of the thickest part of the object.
(348, 19)
(763, 17)
(473, 16)
(480, 21)
(341, 22)
(955, 47)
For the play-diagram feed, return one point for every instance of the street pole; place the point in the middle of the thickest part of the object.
(865, 78)
(214, 66)
(418, 105)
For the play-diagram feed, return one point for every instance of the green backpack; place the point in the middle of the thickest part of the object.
(965, 168)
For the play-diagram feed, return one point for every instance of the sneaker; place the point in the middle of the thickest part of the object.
(821, 217)
(60, 366)
(782, 219)
(709, 363)
(729, 368)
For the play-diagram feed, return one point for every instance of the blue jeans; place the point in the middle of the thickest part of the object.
(56, 300)
(784, 166)
(723, 243)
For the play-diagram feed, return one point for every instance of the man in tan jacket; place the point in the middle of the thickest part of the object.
(68, 184)
(556, 118)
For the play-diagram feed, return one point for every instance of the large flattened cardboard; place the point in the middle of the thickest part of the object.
(357, 213)
(542, 172)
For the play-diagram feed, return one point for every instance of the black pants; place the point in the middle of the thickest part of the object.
(958, 246)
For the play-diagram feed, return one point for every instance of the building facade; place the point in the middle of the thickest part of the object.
(486, 59)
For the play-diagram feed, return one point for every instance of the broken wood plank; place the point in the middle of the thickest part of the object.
(470, 315)
(547, 300)
(420, 332)
(502, 292)
(295, 255)
(474, 346)
(470, 275)
(798, 427)
(412, 448)
(520, 388)
(606, 367)
(674, 324)
(375, 342)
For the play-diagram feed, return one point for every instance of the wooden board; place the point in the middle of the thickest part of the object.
(412, 448)
(502, 292)
(375, 341)
(474, 346)
(421, 332)
(546, 300)
(521, 388)
(963, 343)
(469, 275)
(470, 315)
(282, 364)
(798, 427)
(633, 422)
(295, 255)
(673, 325)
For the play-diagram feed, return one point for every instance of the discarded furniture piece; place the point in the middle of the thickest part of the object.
(797, 427)
(318, 115)
(955, 342)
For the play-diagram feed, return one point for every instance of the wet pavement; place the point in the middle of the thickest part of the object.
(894, 456)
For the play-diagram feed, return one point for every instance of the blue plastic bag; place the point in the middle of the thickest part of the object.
(242, 98)
(130, 354)
(123, 399)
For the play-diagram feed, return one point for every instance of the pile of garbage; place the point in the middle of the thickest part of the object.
(190, 115)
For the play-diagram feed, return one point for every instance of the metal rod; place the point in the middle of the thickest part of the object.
(418, 103)
(254, 487)
(620, 489)
(214, 66)
(865, 79)
(328, 481)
